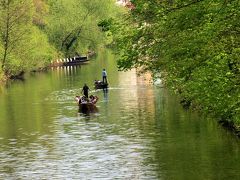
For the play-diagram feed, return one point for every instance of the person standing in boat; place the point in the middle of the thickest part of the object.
(85, 90)
(104, 76)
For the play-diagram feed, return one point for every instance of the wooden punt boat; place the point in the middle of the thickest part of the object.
(87, 105)
(100, 85)
(76, 61)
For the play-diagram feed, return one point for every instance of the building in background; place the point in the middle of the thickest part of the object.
(126, 3)
(123, 2)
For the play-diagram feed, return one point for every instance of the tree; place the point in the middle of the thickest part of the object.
(194, 45)
(41, 9)
(15, 21)
(73, 24)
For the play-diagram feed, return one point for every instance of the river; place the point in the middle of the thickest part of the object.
(139, 132)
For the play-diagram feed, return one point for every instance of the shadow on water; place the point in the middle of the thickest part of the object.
(87, 111)
(84, 113)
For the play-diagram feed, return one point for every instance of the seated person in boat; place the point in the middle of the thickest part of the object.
(81, 99)
(84, 100)
(96, 82)
(93, 99)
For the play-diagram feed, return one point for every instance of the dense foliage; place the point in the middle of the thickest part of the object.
(24, 45)
(35, 32)
(194, 45)
(73, 26)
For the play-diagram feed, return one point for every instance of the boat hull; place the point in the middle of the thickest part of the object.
(87, 108)
(100, 85)
(76, 61)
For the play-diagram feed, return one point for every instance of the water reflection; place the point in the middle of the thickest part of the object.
(105, 94)
(67, 70)
(138, 132)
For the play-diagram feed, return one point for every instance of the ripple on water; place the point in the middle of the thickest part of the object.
(83, 151)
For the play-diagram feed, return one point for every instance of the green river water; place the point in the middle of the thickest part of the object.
(139, 132)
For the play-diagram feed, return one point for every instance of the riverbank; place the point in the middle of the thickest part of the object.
(232, 125)
(3, 78)
(199, 59)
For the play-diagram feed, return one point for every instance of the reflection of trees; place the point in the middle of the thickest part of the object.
(23, 111)
(137, 93)
(171, 139)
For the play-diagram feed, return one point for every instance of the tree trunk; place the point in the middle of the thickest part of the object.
(6, 36)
